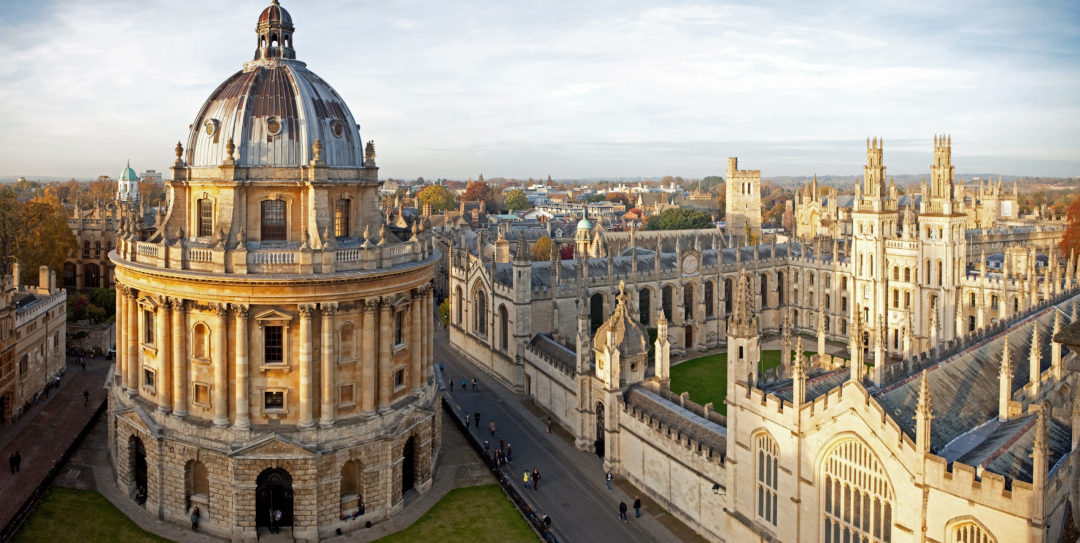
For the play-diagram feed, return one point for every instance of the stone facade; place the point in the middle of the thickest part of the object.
(743, 201)
(33, 344)
(274, 335)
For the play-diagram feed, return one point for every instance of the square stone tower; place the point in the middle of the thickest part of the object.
(743, 204)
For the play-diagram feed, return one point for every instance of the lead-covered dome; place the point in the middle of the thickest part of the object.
(274, 109)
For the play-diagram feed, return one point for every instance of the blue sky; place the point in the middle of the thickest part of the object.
(570, 89)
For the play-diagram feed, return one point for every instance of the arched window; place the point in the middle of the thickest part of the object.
(895, 298)
(828, 300)
(896, 273)
(596, 311)
(768, 457)
(272, 226)
(971, 299)
(346, 340)
(644, 307)
(665, 300)
(458, 301)
(971, 323)
(341, 218)
(907, 274)
(196, 484)
(727, 296)
(688, 301)
(480, 312)
(843, 304)
(858, 498)
(504, 328)
(926, 273)
(969, 531)
(97, 249)
(709, 301)
(764, 290)
(200, 341)
(780, 288)
(939, 272)
(810, 278)
(1016, 305)
(843, 283)
(206, 217)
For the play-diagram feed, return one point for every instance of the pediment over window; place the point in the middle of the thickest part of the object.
(273, 316)
(149, 303)
(273, 446)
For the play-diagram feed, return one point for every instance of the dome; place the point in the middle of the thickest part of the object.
(584, 224)
(273, 110)
(129, 174)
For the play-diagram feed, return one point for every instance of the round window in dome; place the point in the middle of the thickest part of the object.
(337, 128)
(273, 125)
(211, 127)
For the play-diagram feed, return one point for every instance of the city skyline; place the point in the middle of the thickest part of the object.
(571, 91)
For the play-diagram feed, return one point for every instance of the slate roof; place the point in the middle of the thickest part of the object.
(556, 353)
(670, 415)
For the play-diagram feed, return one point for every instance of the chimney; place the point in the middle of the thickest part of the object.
(43, 280)
(15, 274)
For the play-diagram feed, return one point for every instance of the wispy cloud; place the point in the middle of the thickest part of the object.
(608, 88)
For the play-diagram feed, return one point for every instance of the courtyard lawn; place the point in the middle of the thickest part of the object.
(83, 516)
(476, 513)
(705, 378)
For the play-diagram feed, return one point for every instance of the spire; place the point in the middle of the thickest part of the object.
(1055, 348)
(798, 376)
(1040, 452)
(743, 321)
(1035, 361)
(522, 253)
(924, 413)
(1005, 382)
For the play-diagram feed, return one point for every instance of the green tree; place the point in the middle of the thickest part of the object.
(679, 219)
(595, 199)
(541, 250)
(444, 311)
(516, 200)
(439, 197)
(105, 298)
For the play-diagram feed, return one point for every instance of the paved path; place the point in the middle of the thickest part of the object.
(43, 434)
(572, 490)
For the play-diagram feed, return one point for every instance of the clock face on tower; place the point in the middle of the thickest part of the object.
(689, 264)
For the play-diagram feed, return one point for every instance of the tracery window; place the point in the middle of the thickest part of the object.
(858, 496)
(480, 317)
(969, 532)
(768, 456)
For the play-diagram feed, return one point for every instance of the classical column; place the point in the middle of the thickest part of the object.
(221, 363)
(326, 395)
(243, 420)
(164, 375)
(386, 331)
(179, 358)
(415, 350)
(131, 337)
(428, 317)
(306, 420)
(367, 357)
(121, 348)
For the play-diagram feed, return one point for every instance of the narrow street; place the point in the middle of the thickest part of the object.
(572, 489)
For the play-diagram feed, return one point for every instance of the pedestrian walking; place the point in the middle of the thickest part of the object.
(477, 415)
(465, 385)
(277, 520)
(195, 519)
(637, 507)
(622, 512)
(536, 479)
(487, 447)
(451, 384)
(509, 453)
(491, 426)
(474, 387)
(18, 461)
(442, 367)
(86, 397)
(548, 421)
(502, 443)
(525, 478)
(608, 478)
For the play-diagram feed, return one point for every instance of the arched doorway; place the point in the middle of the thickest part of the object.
(689, 335)
(273, 492)
(408, 466)
(598, 444)
(137, 465)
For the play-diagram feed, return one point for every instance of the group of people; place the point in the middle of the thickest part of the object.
(622, 505)
(15, 462)
(535, 480)
(464, 381)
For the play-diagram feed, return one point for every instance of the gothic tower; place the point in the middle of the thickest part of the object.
(743, 201)
(874, 221)
(943, 244)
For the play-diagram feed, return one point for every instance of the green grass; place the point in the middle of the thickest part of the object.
(705, 378)
(476, 513)
(82, 516)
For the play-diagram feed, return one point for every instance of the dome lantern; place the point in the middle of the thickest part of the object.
(275, 30)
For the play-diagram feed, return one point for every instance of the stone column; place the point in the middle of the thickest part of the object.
(326, 395)
(306, 420)
(121, 348)
(179, 358)
(415, 350)
(242, 403)
(428, 317)
(386, 331)
(164, 375)
(221, 363)
(367, 356)
(131, 336)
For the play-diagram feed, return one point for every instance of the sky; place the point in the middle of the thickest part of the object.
(570, 89)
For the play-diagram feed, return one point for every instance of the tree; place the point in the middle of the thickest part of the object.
(478, 191)
(34, 232)
(439, 197)
(679, 219)
(618, 198)
(1071, 240)
(541, 250)
(516, 200)
(595, 199)
(444, 311)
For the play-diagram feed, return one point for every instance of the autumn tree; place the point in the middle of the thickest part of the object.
(516, 200)
(479, 191)
(618, 198)
(439, 197)
(1071, 240)
(541, 250)
(34, 232)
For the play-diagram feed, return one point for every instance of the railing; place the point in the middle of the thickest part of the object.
(348, 255)
(200, 255)
(146, 249)
(273, 257)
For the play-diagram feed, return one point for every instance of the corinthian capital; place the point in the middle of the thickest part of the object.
(176, 304)
(240, 311)
(371, 305)
(305, 311)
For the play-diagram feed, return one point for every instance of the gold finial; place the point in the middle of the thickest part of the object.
(318, 149)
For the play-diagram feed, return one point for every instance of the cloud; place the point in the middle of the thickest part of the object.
(450, 89)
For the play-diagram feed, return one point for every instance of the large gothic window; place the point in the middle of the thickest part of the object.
(858, 496)
(644, 306)
(273, 224)
(969, 532)
(480, 310)
(709, 300)
(504, 328)
(768, 456)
